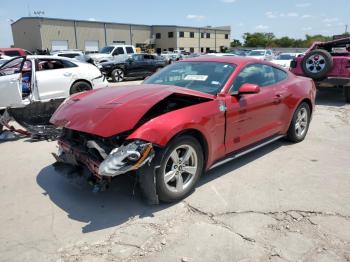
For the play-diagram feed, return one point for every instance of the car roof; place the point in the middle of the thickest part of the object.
(11, 49)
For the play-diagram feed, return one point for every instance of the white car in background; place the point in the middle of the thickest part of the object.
(32, 87)
(68, 53)
(221, 54)
(284, 59)
(112, 52)
(263, 54)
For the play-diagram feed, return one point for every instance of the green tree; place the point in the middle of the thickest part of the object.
(236, 43)
(258, 39)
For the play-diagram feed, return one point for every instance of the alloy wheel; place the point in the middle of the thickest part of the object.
(180, 168)
(315, 63)
(118, 75)
(301, 122)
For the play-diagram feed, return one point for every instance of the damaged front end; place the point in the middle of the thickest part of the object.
(104, 158)
(34, 117)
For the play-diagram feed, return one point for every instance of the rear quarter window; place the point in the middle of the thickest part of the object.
(280, 75)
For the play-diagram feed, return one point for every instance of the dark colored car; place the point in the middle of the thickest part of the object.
(191, 116)
(137, 66)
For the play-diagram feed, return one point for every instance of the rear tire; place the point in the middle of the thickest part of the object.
(117, 75)
(317, 64)
(79, 86)
(180, 168)
(300, 123)
(347, 93)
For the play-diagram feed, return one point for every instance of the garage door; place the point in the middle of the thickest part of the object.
(59, 45)
(91, 46)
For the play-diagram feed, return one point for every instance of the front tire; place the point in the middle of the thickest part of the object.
(300, 123)
(117, 75)
(180, 168)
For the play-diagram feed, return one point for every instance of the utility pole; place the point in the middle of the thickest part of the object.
(346, 29)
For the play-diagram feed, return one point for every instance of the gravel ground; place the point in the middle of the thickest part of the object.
(284, 202)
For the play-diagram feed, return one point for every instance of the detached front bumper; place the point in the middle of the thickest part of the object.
(99, 82)
(121, 160)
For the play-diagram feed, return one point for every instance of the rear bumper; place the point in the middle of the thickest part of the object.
(334, 81)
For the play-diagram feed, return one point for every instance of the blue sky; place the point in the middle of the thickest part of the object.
(293, 18)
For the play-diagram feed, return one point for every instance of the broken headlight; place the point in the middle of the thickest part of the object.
(126, 158)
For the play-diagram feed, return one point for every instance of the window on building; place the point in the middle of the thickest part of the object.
(207, 50)
(170, 34)
(226, 36)
(181, 34)
(191, 49)
(182, 48)
(158, 36)
(208, 35)
(202, 49)
(202, 35)
(171, 49)
(191, 34)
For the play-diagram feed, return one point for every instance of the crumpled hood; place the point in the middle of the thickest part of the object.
(109, 111)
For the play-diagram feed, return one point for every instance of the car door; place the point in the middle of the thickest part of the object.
(54, 78)
(137, 66)
(150, 65)
(11, 82)
(251, 117)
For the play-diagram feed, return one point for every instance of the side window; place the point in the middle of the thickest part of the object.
(13, 66)
(259, 74)
(68, 64)
(280, 75)
(148, 57)
(118, 51)
(51, 64)
(12, 53)
(138, 57)
(129, 50)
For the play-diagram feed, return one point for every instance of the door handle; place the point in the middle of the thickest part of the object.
(67, 74)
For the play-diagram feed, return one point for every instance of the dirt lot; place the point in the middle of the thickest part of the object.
(284, 202)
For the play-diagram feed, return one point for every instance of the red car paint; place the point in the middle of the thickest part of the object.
(14, 51)
(247, 119)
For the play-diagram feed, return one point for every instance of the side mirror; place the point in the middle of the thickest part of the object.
(249, 89)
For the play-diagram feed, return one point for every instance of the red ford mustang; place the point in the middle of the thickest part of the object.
(187, 118)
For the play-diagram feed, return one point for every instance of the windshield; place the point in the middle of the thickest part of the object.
(257, 53)
(206, 77)
(107, 49)
(285, 57)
